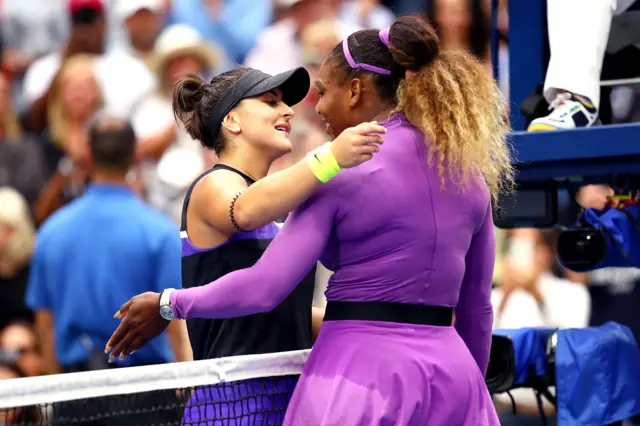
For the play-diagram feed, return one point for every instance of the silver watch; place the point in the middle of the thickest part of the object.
(166, 311)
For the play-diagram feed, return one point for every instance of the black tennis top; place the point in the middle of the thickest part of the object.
(286, 328)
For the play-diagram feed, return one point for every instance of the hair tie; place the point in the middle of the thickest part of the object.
(384, 36)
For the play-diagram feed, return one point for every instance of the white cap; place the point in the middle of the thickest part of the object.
(127, 8)
(285, 4)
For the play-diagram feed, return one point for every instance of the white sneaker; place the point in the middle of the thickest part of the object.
(568, 111)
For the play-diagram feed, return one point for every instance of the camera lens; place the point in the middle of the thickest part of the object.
(581, 249)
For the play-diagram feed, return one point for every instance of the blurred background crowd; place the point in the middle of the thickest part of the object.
(64, 62)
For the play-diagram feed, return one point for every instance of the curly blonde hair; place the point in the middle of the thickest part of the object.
(459, 107)
(448, 95)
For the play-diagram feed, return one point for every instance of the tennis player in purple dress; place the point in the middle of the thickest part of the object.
(409, 235)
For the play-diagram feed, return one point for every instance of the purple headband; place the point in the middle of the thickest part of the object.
(354, 65)
(384, 36)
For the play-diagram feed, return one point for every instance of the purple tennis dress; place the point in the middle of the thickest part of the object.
(391, 234)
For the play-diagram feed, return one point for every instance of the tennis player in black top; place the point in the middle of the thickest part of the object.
(228, 213)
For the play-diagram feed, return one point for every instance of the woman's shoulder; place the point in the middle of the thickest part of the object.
(218, 184)
(399, 128)
(398, 122)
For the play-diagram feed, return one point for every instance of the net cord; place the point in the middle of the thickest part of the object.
(73, 386)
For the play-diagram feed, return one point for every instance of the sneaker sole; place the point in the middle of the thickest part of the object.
(541, 127)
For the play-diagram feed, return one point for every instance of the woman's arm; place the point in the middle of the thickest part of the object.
(263, 202)
(317, 317)
(474, 313)
(279, 193)
(289, 257)
(261, 288)
(179, 340)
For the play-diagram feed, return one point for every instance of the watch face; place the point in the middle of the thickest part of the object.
(166, 313)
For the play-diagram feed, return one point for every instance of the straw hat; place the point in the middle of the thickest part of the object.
(182, 40)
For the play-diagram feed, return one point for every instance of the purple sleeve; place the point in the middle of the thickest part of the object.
(474, 313)
(261, 288)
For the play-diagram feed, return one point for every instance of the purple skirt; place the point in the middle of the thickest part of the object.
(384, 374)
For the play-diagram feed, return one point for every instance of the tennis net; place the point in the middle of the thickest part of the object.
(233, 391)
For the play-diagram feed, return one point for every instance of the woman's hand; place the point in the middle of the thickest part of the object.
(594, 196)
(141, 322)
(356, 145)
(514, 278)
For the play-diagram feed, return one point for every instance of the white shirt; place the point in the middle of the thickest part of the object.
(379, 17)
(124, 80)
(277, 49)
(566, 305)
(168, 179)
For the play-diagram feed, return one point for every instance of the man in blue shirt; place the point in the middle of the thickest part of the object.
(94, 254)
(233, 25)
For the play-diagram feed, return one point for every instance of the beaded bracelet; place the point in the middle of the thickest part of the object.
(231, 213)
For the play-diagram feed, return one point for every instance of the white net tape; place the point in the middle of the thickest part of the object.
(73, 386)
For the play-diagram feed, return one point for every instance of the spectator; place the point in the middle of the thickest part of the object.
(281, 40)
(74, 99)
(143, 21)
(362, 13)
(179, 50)
(30, 29)
(9, 369)
(233, 24)
(9, 124)
(530, 295)
(124, 80)
(20, 339)
(17, 237)
(572, 84)
(21, 160)
(101, 249)
(462, 24)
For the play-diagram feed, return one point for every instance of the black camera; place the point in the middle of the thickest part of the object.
(582, 249)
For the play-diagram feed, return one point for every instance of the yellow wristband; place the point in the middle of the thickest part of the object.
(322, 163)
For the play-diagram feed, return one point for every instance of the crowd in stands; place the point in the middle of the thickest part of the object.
(65, 63)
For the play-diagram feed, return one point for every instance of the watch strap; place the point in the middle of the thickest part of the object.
(165, 303)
